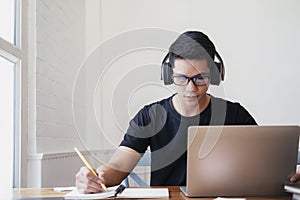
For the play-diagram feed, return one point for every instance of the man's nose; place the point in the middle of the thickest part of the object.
(191, 86)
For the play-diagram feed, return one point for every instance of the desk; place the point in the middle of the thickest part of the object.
(174, 191)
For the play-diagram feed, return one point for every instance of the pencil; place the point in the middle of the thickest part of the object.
(88, 165)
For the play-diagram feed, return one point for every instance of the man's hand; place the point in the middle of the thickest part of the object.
(295, 178)
(87, 182)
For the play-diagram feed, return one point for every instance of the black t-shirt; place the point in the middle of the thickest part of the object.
(160, 127)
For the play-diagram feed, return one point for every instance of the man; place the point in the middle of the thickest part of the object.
(162, 126)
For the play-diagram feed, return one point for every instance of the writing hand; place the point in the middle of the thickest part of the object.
(87, 182)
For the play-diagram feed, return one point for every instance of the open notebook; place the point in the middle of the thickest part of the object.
(127, 193)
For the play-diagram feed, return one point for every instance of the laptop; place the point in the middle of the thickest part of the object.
(240, 160)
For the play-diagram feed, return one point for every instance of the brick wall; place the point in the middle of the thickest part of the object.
(60, 51)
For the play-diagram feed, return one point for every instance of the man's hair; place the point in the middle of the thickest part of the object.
(192, 45)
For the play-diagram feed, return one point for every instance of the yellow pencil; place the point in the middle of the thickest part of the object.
(88, 165)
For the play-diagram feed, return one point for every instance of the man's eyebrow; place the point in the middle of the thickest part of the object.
(201, 74)
(175, 74)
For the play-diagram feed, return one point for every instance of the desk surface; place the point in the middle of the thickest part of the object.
(174, 191)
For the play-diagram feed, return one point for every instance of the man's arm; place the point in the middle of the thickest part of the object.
(121, 164)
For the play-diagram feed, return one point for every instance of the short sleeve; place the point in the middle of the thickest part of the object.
(137, 134)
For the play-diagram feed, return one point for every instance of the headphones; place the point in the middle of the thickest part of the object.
(217, 71)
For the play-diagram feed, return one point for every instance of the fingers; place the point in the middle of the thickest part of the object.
(295, 178)
(87, 182)
(100, 173)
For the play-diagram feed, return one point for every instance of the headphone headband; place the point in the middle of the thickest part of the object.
(217, 70)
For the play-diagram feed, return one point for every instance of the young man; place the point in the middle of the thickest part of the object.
(163, 125)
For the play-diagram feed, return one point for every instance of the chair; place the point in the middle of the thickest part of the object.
(143, 162)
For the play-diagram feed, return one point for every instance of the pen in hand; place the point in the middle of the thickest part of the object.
(88, 166)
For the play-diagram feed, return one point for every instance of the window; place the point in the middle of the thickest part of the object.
(10, 59)
(7, 20)
(7, 91)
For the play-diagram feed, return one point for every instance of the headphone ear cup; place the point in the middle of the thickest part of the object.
(167, 73)
(215, 78)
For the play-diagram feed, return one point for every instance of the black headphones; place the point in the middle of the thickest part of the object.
(217, 71)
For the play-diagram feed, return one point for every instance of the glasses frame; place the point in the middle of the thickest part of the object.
(188, 79)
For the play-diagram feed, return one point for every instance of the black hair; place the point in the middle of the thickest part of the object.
(192, 45)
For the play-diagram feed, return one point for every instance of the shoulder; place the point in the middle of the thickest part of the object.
(236, 114)
(163, 103)
(229, 104)
(154, 109)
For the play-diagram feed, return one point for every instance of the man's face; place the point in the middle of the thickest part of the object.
(191, 94)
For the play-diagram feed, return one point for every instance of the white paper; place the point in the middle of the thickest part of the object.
(221, 198)
(145, 193)
(62, 189)
(127, 193)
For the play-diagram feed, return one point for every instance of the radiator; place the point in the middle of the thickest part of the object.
(52, 170)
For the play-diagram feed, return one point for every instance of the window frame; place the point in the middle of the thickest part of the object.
(18, 53)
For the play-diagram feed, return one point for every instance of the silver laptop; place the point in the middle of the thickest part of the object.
(240, 160)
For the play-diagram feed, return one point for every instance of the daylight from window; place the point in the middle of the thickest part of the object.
(7, 20)
(6, 122)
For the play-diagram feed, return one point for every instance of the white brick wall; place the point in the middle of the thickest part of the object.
(60, 51)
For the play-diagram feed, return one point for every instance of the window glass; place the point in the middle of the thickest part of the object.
(7, 91)
(7, 20)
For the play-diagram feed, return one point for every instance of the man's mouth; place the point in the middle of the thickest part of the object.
(191, 96)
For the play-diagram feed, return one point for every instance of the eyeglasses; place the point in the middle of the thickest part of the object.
(198, 80)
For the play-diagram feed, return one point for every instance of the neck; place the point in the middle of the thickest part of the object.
(190, 110)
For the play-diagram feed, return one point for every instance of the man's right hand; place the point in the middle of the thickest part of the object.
(295, 178)
(87, 182)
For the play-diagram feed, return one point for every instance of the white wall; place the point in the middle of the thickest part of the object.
(257, 39)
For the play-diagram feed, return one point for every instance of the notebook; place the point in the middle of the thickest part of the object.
(240, 160)
(136, 193)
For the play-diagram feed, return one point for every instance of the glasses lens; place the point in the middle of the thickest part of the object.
(197, 80)
(180, 80)
(200, 80)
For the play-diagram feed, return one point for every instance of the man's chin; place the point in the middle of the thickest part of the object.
(191, 101)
